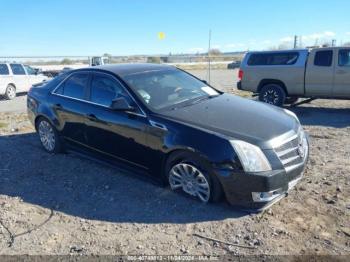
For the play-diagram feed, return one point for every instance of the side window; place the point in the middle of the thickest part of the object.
(278, 58)
(323, 58)
(344, 57)
(104, 90)
(17, 69)
(4, 70)
(74, 86)
(30, 70)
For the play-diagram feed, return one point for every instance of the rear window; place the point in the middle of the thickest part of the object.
(323, 58)
(4, 69)
(280, 58)
(75, 86)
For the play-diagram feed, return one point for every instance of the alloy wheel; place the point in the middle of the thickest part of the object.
(11, 92)
(271, 97)
(47, 135)
(191, 180)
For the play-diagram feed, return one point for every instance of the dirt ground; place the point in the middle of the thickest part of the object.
(67, 204)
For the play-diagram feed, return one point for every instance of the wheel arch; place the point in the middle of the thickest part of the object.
(39, 116)
(267, 81)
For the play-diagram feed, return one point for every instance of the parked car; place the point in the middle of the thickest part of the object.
(284, 76)
(17, 78)
(234, 65)
(160, 121)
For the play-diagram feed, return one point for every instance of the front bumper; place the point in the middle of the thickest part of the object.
(242, 189)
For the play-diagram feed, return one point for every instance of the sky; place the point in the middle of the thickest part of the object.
(127, 27)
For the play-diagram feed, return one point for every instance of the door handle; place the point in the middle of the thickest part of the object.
(58, 106)
(92, 117)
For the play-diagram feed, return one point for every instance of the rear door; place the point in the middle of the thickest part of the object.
(342, 74)
(20, 78)
(319, 73)
(70, 106)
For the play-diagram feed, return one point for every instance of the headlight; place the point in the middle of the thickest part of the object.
(252, 158)
(291, 114)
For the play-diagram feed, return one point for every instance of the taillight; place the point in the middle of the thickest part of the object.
(240, 74)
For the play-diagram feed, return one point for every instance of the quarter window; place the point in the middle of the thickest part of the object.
(279, 58)
(104, 90)
(323, 58)
(74, 86)
(344, 57)
(4, 70)
(17, 69)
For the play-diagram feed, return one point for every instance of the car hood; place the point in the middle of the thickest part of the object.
(236, 118)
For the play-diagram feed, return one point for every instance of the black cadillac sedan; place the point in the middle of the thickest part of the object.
(160, 121)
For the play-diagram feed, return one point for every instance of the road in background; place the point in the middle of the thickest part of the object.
(224, 80)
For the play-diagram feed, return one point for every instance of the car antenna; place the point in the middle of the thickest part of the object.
(209, 56)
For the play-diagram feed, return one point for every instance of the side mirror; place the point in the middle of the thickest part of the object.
(121, 104)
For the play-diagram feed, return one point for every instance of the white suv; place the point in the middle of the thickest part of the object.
(17, 78)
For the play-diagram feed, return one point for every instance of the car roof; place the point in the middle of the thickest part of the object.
(133, 68)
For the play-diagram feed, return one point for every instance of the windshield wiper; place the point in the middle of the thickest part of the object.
(193, 101)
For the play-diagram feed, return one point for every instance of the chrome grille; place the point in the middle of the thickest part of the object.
(292, 152)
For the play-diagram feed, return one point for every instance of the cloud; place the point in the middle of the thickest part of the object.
(234, 45)
(310, 38)
(216, 46)
(315, 36)
(196, 49)
(287, 39)
(347, 33)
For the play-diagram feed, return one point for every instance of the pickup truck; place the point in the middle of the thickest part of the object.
(281, 77)
(17, 78)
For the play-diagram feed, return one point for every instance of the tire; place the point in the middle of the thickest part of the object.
(203, 175)
(48, 136)
(272, 94)
(291, 100)
(10, 92)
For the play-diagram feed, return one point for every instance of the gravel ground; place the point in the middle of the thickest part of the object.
(67, 204)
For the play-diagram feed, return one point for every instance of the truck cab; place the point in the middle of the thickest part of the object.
(99, 60)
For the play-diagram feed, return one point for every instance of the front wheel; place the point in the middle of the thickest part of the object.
(48, 135)
(272, 94)
(189, 174)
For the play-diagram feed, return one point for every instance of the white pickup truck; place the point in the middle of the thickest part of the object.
(281, 77)
(17, 78)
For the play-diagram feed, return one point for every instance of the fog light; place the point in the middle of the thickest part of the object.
(266, 196)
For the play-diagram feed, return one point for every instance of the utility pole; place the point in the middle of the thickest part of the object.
(209, 56)
(295, 41)
(334, 42)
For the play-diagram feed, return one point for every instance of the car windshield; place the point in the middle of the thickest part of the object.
(164, 89)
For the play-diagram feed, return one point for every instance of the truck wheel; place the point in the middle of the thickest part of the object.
(10, 92)
(291, 100)
(272, 94)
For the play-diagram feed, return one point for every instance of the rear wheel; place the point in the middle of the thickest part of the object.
(272, 94)
(10, 92)
(48, 135)
(189, 173)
